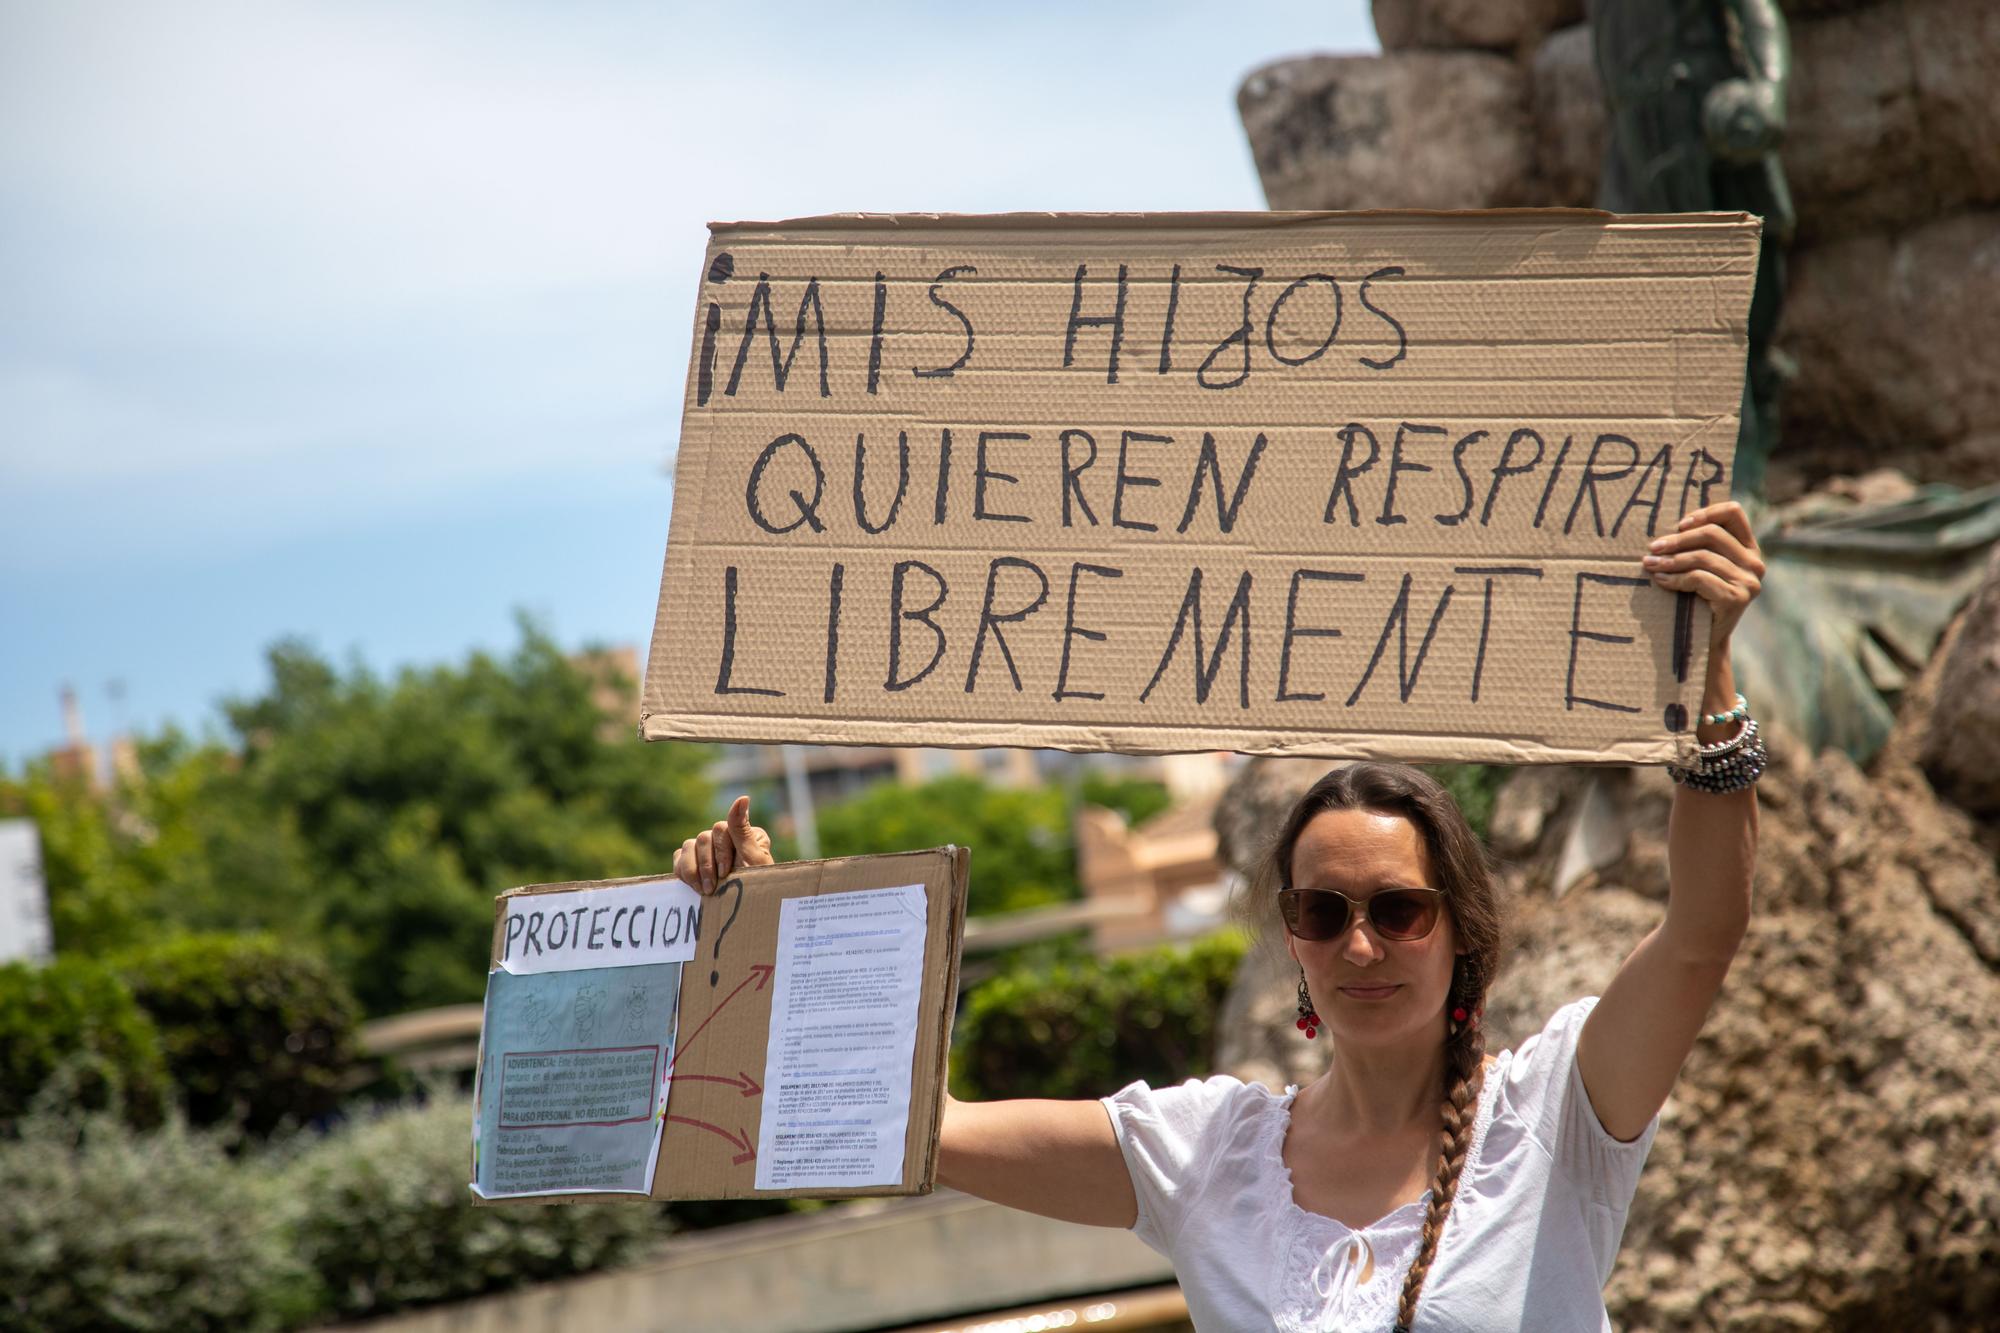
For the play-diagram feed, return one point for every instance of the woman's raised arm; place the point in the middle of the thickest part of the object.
(1056, 1158)
(1636, 1039)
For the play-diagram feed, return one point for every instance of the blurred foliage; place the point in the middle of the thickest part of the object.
(1023, 847)
(255, 1033)
(1474, 787)
(73, 1028)
(1022, 851)
(385, 1219)
(236, 1031)
(373, 819)
(1085, 1029)
(1135, 798)
(159, 1232)
(107, 1228)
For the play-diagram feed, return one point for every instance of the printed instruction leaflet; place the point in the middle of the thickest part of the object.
(843, 1037)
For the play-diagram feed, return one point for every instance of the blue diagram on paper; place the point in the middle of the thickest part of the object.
(572, 1067)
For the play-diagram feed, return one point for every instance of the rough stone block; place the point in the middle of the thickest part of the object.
(1894, 339)
(1893, 117)
(1955, 48)
(1411, 129)
(1498, 25)
(1962, 751)
(1570, 127)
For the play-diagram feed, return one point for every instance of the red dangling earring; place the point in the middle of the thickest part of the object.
(1308, 1020)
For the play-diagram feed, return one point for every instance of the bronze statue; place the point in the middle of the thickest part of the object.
(1695, 91)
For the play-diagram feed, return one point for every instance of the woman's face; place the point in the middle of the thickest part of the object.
(1368, 990)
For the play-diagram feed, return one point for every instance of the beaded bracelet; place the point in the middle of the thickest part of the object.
(1738, 771)
(1745, 734)
(1737, 714)
(1726, 766)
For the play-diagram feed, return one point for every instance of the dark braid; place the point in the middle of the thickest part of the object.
(1464, 1074)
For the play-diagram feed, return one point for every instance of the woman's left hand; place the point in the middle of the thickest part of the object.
(1714, 555)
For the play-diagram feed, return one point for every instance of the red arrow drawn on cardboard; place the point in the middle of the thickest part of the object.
(759, 973)
(743, 1083)
(738, 1140)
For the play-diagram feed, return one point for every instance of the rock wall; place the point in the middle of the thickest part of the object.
(1893, 153)
(1961, 751)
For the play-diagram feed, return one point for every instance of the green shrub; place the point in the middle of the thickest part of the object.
(255, 1033)
(105, 1228)
(387, 1222)
(1086, 1029)
(76, 1021)
(1022, 852)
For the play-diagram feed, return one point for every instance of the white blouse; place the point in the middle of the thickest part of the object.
(1528, 1243)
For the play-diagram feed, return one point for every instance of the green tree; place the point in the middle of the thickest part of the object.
(373, 819)
(415, 801)
(1022, 852)
(99, 896)
(1023, 848)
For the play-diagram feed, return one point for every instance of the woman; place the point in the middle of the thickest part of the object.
(1419, 1184)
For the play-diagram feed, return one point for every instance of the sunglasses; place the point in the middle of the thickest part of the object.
(1402, 915)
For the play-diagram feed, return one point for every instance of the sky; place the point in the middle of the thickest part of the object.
(366, 323)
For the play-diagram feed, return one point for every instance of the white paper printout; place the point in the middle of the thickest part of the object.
(627, 925)
(570, 1075)
(850, 971)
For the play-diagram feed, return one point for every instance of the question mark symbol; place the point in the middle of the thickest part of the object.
(736, 883)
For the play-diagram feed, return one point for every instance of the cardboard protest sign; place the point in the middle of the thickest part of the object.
(787, 1037)
(1332, 484)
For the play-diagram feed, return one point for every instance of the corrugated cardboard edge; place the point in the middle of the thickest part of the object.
(1089, 738)
(1213, 218)
(932, 1054)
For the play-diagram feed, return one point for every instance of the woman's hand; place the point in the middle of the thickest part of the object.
(710, 857)
(1714, 555)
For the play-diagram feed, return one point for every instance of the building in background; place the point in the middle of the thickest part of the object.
(1161, 880)
(25, 932)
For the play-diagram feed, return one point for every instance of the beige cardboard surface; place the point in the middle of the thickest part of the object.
(715, 1102)
(1333, 484)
